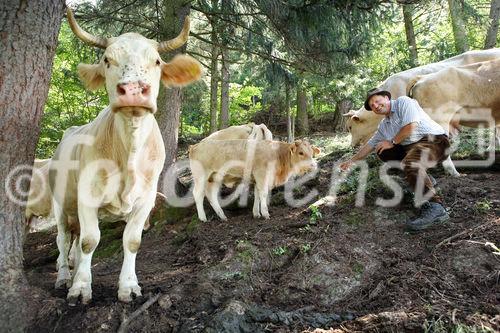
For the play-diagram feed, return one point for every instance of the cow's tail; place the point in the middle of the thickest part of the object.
(266, 133)
(410, 85)
(254, 134)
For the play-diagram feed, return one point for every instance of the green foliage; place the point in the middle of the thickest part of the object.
(280, 250)
(245, 101)
(195, 118)
(305, 248)
(472, 142)
(315, 214)
(336, 49)
(68, 102)
(483, 206)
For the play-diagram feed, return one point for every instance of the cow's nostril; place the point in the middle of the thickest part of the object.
(145, 90)
(120, 90)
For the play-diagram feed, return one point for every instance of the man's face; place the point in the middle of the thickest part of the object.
(380, 104)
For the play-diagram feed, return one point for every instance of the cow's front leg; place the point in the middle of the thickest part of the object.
(63, 240)
(128, 284)
(89, 238)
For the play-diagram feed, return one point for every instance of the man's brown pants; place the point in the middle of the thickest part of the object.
(419, 156)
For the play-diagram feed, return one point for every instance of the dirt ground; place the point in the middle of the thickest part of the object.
(339, 269)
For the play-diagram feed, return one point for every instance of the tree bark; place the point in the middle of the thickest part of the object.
(339, 123)
(302, 118)
(28, 40)
(224, 91)
(170, 99)
(410, 34)
(458, 26)
(289, 125)
(491, 35)
(214, 74)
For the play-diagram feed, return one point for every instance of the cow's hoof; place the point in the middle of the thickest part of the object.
(126, 294)
(63, 278)
(75, 293)
(266, 216)
(63, 284)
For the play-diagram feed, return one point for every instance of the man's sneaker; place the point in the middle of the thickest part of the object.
(432, 214)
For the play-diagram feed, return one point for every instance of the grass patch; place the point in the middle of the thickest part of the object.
(111, 239)
(472, 143)
(332, 144)
(483, 206)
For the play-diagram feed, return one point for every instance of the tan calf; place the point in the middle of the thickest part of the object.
(266, 163)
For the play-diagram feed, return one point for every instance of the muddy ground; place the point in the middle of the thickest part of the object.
(338, 269)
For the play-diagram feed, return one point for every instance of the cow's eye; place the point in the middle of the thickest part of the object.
(301, 153)
(106, 61)
(158, 62)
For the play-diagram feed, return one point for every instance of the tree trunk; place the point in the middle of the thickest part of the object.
(214, 74)
(410, 34)
(170, 99)
(224, 91)
(491, 35)
(27, 46)
(302, 118)
(458, 26)
(289, 126)
(340, 122)
(214, 88)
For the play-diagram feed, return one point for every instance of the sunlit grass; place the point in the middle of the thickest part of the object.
(331, 143)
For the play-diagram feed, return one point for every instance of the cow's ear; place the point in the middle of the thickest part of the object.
(91, 75)
(355, 118)
(348, 114)
(181, 71)
(316, 151)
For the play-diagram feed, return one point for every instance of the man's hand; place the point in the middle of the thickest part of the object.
(346, 165)
(383, 146)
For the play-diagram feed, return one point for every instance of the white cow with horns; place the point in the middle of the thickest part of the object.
(109, 168)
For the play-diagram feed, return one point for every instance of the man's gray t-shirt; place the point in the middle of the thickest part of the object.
(405, 110)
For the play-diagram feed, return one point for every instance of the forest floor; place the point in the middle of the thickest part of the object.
(338, 268)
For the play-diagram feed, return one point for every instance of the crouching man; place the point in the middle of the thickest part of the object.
(409, 135)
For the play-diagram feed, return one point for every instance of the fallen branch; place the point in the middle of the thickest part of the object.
(460, 234)
(126, 321)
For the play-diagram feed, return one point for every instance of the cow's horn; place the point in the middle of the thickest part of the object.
(178, 41)
(99, 42)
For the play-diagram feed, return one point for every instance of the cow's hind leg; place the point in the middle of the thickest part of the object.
(128, 285)
(63, 242)
(212, 191)
(256, 203)
(199, 195)
(449, 167)
(263, 192)
(89, 238)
